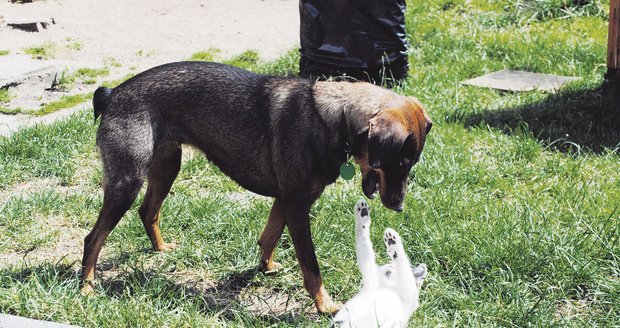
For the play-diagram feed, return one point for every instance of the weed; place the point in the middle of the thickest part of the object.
(64, 102)
(247, 60)
(74, 45)
(111, 62)
(46, 50)
(206, 55)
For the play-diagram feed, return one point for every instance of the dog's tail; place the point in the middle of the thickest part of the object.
(100, 100)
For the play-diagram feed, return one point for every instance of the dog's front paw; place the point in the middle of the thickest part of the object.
(362, 216)
(393, 243)
(88, 290)
(269, 267)
(165, 247)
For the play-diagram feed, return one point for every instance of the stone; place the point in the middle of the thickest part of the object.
(18, 69)
(510, 80)
(15, 321)
(30, 24)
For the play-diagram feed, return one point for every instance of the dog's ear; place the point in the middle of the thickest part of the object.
(385, 138)
(415, 103)
(429, 122)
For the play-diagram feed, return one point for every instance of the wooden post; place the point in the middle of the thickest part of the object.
(613, 45)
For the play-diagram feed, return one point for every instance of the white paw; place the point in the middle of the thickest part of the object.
(393, 243)
(362, 215)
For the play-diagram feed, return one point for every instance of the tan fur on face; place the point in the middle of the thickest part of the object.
(361, 101)
(412, 117)
(369, 108)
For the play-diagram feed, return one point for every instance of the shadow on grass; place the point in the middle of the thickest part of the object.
(221, 298)
(574, 120)
(213, 298)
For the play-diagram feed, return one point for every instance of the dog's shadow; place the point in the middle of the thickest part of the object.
(225, 298)
(220, 298)
(572, 120)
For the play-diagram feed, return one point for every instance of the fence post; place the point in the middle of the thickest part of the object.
(613, 45)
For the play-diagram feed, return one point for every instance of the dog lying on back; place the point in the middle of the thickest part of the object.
(390, 293)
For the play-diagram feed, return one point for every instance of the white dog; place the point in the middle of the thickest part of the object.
(390, 293)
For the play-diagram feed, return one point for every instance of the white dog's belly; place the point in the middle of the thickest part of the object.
(379, 308)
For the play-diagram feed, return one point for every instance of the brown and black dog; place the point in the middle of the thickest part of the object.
(279, 137)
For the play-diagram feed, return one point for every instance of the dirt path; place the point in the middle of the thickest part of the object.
(144, 33)
(129, 37)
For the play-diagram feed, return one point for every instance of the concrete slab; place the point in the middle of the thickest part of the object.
(510, 80)
(16, 69)
(10, 124)
(11, 321)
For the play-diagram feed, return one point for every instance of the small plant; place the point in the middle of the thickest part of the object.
(65, 82)
(75, 46)
(89, 75)
(111, 62)
(9, 111)
(247, 60)
(144, 53)
(46, 50)
(64, 102)
(206, 55)
(5, 97)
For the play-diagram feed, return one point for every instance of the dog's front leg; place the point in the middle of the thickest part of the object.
(298, 223)
(270, 237)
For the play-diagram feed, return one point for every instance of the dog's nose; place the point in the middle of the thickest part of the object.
(399, 208)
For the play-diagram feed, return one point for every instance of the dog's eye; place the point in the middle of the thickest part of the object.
(405, 162)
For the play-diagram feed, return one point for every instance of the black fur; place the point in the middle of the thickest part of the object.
(230, 114)
(100, 100)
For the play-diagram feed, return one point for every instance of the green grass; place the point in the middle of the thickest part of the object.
(247, 60)
(5, 97)
(64, 102)
(82, 75)
(10, 111)
(4, 52)
(514, 206)
(46, 50)
(74, 44)
(205, 55)
(111, 62)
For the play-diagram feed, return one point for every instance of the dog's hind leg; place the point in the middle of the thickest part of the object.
(270, 237)
(164, 168)
(126, 148)
(117, 199)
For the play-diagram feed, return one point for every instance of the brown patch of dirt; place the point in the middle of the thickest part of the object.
(570, 308)
(68, 245)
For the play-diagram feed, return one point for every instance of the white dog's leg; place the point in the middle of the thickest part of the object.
(401, 268)
(363, 245)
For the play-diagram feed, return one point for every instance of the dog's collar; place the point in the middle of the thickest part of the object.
(345, 135)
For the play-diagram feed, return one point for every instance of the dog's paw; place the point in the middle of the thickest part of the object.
(362, 215)
(393, 243)
(166, 247)
(270, 268)
(89, 289)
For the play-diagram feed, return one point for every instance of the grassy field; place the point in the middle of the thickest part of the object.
(514, 206)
